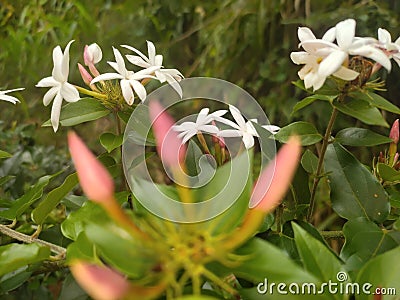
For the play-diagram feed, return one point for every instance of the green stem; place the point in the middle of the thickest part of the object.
(90, 93)
(332, 234)
(28, 239)
(318, 173)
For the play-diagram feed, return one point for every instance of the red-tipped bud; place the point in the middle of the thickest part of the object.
(87, 78)
(274, 181)
(169, 146)
(95, 180)
(394, 132)
(100, 282)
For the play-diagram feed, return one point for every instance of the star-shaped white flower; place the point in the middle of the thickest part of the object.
(385, 42)
(59, 87)
(8, 98)
(130, 81)
(172, 76)
(202, 124)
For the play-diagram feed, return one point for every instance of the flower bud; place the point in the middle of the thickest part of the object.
(95, 180)
(394, 132)
(92, 54)
(87, 78)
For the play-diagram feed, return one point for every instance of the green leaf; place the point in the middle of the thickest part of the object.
(81, 249)
(306, 131)
(364, 241)
(316, 257)
(20, 205)
(14, 279)
(309, 161)
(376, 100)
(52, 199)
(310, 99)
(388, 173)
(360, 137)
(381, 272)
(4, 154)
(110, 141)
(5, 179)
(362, 111)
(265, 260)
(84, 110)
(14, 256)
(71, 290)
(355, 192)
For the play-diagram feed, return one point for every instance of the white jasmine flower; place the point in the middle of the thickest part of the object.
(385, 42)
(59, 87)
(8, 98)
(130, 81)
(172, 76)
(190, 129)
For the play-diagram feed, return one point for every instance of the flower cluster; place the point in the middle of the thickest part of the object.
(323, 58)
(205, 122)
(130, 82)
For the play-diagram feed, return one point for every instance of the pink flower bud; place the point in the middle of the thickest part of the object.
(100, 282)
(394, 132)
(92, 54)
(87, 78)
(95, 180)
(275, 179)
(169, 146)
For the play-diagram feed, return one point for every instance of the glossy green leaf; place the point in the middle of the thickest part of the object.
(376, 100)
(360, 137)
(316, 257)
(355, 192)
(4, 154)
(382, 273)
(364, 241)
(306, 131)
(20, 205)
(362, 111)
(264, 260)
(310, 99)
(14, 256)
(52, 199)
(84, 110)
(110, 141)
(388, 173)
(14, 279)
(309, 162)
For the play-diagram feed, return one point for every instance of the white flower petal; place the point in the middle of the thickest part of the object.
(300, 57)
(137, 61)
(373, 53)
(332, 63)
(127, 91)
(107, 76)
(346, 74)
(12, 90)
(174, 84)
(248, 140)
(121, 69)
(209, 129)
(151, 50)
(69, 92)
(55, 111)
(65, 62)
(95, 53)
(158, 60)
(236, 114)
(384, 36)
(8, 98)
(57, 73)
(139, 89)
(137, 52)
(230, 133)
(47, 82)
(271, 128)
(345, 32)
(305, 34)
(50, 94)
(330, 35)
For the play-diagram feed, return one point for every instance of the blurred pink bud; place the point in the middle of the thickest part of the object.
(99, 282)
(275, 179)
(92, 54)
(169, 146)
(394, 132)
(95, 181)
(87, 78)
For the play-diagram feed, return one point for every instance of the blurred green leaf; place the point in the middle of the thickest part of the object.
(5, 179)
(71, 290)
(362, 111)
(309, 161)
(81, 249)
(110, 141)
(14, 256)
(14, 279)
(20, 205)
(52, 199)
(4, 154)
(360, 137)
(307, 133)
(84, 110)
(364, 241)
(355, 192)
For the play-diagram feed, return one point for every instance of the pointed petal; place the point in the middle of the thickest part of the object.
(50, 94)
(158, 60)
(271, 128)
(330, 35)
(137, 61)
(275, 179)
(151, 50)
(384, 36)
(230, 133)
(137, 52)
(107, 76)
(187, 136)
(139, 89)
(314, 46)
(127, 91)
(57, 73)
(318, 82)
(12, 90)
(300, 57)
(345, 32)
(375, 54)
(121, 69)
(237, 115)
(346, 74)
(174, 84)
(65, 62)
(47, 82)
(248, 140)
(69, 92)
(332, 63)
(209, 129)
(55, 111)
(305, 34)
(8, 98)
